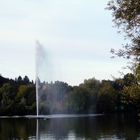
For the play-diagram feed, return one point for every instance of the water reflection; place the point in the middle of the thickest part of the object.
(17, 129)
(88, 128)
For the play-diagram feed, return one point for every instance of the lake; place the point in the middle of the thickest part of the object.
(107, 127)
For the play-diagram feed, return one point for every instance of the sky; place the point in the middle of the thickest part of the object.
(77, 36)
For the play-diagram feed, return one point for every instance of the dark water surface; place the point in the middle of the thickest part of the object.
(111, 127)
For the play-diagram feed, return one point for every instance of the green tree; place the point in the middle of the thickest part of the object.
(92, 86)
(132, 98)
(107, 98)
(7, 95)
(129, 79)
(26, 99)
(19, 79)
(78, 100)
(26, 80)
(126, 15)
(137, 73)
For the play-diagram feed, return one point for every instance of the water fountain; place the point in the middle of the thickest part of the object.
(51, 95)
(41, 72)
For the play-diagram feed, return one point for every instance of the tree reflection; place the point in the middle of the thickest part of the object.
(91, 128)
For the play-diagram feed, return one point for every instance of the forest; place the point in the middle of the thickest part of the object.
(18, 97)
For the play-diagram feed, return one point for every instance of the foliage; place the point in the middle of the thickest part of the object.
(15, 98)
(126, 15)
(18, 97)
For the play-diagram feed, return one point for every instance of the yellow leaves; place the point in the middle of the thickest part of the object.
(22, 90)
(132, 93)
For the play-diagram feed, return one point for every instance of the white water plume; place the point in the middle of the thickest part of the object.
(41, 71)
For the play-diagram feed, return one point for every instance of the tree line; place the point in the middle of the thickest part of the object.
(18, 97)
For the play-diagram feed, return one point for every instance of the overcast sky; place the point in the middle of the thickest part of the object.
(76, 34)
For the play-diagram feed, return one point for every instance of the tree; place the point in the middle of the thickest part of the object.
(19, 79)
(107, 98)
(25, 99)
(129, 79)
(3, 80)
(78, 100)
(126, 15)
(7, 99)
(132, 98)
(26, 80)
